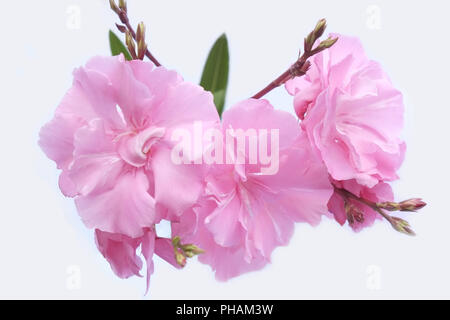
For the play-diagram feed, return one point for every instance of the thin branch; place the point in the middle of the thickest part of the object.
(301, 66)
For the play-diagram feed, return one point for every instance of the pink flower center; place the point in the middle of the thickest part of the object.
(134, 147)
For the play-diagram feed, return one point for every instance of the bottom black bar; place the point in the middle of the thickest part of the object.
(225, 309)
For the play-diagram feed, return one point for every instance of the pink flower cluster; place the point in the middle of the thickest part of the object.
(353, 118)
(111, 138)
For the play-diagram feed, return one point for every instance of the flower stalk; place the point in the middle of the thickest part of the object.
(301, 66)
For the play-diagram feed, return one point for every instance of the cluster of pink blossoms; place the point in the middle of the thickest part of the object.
(111, 138)
(353, 118)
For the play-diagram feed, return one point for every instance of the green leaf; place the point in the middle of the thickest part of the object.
(215, 72)
(117, 47)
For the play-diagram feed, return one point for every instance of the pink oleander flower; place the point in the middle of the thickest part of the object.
(245, 214)
(111, 137)
(358, 214)
(352, 114)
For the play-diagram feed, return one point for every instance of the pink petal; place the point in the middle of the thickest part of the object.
(177, 187)
(227, 262)
(67, 186)
(120, 251)
(159, 81)
(148, 249)
(125, 209)
(164, 249)
(336, 207)
(56, 139)
(96, 166)
(301, 188)
(269, 228)
(230, 262)
(260, 114)
(224, 222)
(101, 96)
(185, 103)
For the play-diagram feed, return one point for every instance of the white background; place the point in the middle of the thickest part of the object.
(46, 252)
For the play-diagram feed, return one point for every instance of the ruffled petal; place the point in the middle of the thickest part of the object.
(125, 209)
(177, 186)
(101, 95)
(224, 222)
(120, 252)
(158, 80)
(96, 166)
(226, 262)
(185, 103)
(301, 188)
(56, 139)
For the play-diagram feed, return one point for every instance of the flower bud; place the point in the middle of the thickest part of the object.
(325, 44)
(113, 6)
(130, 44)
(412, 205)
(140, 38)
(140, 33)
(176, 241)
(180, 258)
(314, 35)
(309, 42)
(402, 226)
(192, 249)
(121, 28)
(123, 5)
(142, 48)
(320, 28)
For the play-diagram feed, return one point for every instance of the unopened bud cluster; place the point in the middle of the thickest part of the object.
(311, 39)
(411, 205)
(301, 66)
(135, 42)
(183, 251)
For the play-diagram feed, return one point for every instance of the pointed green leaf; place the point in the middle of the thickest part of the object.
(117, 47)
(215, 72)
